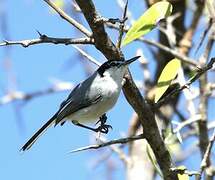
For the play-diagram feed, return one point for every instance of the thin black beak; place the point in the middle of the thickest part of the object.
(127, 62)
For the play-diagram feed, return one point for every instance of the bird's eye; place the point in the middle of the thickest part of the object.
(113, 64)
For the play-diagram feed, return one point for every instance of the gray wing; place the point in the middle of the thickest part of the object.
(79, 98)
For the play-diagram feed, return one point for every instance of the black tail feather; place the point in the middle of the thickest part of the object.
(33, 139)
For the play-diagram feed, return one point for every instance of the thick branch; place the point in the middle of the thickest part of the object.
(102, 40)
(134, 97)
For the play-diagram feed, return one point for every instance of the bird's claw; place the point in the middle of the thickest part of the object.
(104, 128)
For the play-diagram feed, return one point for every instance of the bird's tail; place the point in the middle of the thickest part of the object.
(33, 139)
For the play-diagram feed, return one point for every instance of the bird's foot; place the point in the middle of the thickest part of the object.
(104, 128)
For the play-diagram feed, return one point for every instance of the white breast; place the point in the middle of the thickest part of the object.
(109, 90)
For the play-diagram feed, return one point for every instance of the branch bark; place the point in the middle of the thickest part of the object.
(68, 18)
(45, 39)
(134, 97)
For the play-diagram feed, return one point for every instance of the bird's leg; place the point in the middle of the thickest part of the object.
(103, 128)
(102, 119)
(81, 125)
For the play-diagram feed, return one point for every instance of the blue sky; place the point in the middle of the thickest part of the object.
(35, 68)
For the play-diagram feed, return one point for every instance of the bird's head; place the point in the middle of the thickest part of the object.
(115, 68)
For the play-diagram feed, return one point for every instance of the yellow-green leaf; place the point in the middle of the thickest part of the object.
(59, 3)
(182, 176)
(167, 75)
(148, 21)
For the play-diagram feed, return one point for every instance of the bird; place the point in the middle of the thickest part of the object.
(89, 100)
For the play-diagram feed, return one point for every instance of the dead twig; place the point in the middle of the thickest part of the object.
(46, 39)
(115, 141)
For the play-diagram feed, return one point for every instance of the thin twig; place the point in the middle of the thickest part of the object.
(46, 39)
(186, 41)
(206, 156)
(176, 53)
(203, 104)
(189, 121)
(69, 19)
(185, 171)
(193, 132)
(203, 36)
(193, 119)
(117, 150)
(115, 141)
(122, 25)
(90, 58)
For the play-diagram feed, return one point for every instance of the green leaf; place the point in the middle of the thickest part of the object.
(148, 21)
(167, 75)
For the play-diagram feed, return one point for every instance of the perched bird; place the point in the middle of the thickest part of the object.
(90, 100)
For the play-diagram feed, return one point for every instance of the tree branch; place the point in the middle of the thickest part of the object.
(96, 23)
(46, 39)
(19, 95)
(69, 19)
(206, 156)
(122, 25)
(133, 96)
(115, 141)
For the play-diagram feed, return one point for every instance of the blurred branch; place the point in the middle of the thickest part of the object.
(206, 156)
(90, 58)
(18, 95)
(46, 39)
(69, 19)
(169, 29)
(186, 42)
(175, 53)
(185, 171)
(193, 132)
(189, 121)
(117, 150)
(203, 104)
(202, 38)
(211, 10)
